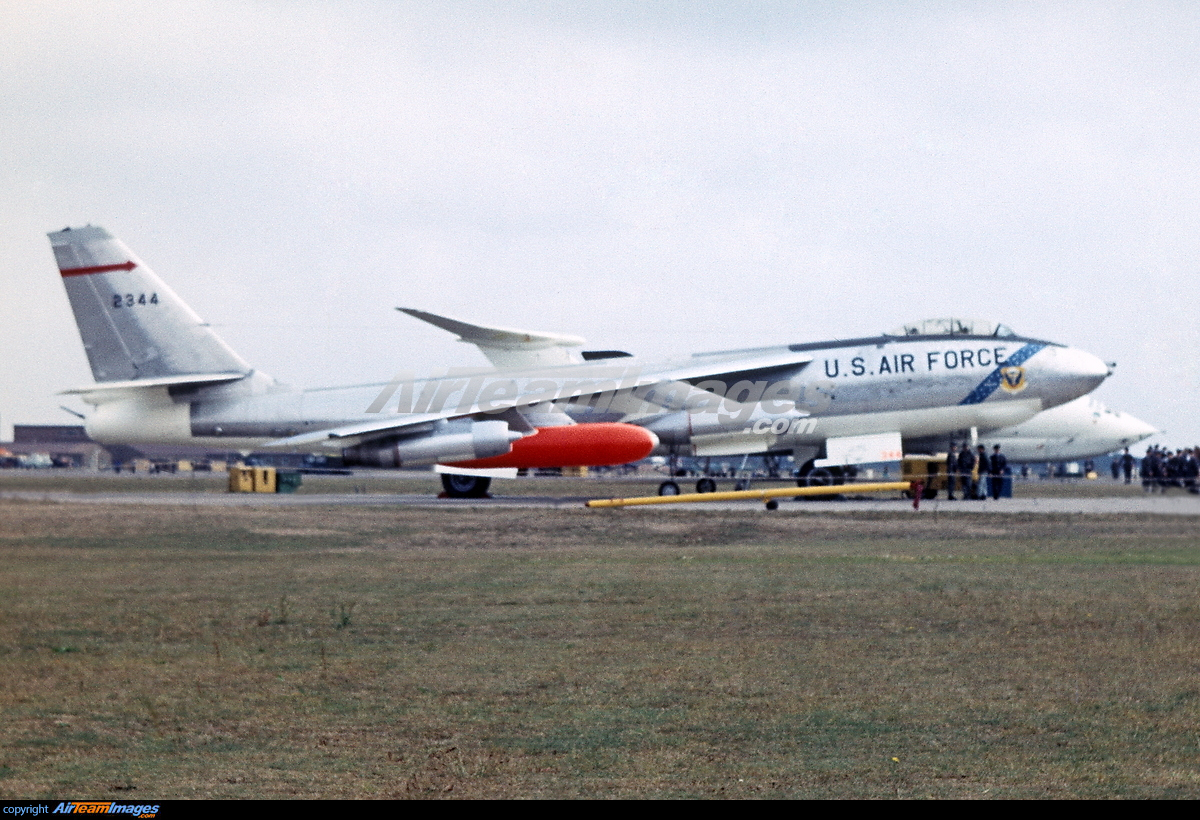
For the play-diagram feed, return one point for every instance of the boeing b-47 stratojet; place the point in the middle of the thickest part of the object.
(923, 384)
(1083, 428)
(163, 376)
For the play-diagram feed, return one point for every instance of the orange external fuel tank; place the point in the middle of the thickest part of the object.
(600, 444)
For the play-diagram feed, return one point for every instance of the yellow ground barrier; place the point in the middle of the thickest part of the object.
(760, 495)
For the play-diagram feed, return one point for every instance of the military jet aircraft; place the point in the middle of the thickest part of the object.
(925, 384)
(1083, 428)
(163, 376)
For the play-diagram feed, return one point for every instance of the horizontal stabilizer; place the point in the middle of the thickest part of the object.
(111, 391)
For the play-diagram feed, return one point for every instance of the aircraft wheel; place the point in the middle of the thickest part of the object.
(668, 488)
(823, 477)
(772, 504)
(465, 486)
(706, 485)
(811, 476)
(802, 474)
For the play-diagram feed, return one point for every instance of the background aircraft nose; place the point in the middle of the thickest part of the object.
(1131, 429)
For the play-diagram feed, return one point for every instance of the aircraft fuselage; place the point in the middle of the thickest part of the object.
(915, 385)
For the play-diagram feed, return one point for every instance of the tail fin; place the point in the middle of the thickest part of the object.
(133, 326)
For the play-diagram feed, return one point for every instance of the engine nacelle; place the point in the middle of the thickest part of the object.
(685, 427)
(447, 441)
(149, 417)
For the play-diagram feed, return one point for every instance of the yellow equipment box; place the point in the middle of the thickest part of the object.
(929, 470)
(252, 479)
(264, 479)
(241, 479)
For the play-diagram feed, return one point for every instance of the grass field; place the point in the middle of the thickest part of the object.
(176, 652)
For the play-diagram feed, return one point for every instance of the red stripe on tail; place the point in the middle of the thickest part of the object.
(97, 269)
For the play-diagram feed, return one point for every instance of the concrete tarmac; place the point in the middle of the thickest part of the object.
(1172, 504)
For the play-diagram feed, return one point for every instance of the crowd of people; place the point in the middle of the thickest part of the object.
(974, 473)
(1161, 469)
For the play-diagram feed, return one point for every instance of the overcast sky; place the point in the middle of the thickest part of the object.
(658, 177)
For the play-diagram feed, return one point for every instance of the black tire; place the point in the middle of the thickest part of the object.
(812, 476)
(706, 485)
(772, 504)
(668, 488)
(823, 477)
(465, 486)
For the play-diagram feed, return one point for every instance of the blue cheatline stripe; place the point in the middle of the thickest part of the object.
(988, 386)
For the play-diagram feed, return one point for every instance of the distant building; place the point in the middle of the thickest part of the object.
(50, 434)
(67, 445)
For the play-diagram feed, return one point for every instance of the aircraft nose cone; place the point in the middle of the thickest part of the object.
(1070, 373)
(1133, 429)
(1084, 369)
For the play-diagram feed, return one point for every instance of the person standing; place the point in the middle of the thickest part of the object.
(979, 473)
(952, 478)
(1127, 465)
(966, 467)
(996, 465)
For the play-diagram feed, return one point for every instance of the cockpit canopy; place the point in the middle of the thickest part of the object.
(953, 327)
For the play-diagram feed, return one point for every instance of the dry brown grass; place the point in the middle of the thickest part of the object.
(471, 652)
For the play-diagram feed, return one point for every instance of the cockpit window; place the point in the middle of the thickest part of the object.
(953, 327)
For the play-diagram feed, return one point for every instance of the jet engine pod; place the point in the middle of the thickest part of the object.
(447, 441)
(672, 428)
(577, 445)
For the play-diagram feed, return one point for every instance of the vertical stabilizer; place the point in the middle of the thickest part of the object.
(133, 326)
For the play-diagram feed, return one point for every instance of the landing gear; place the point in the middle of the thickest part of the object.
(706, 485)
(810, 475)
(813, 476)
(668, 488)
(465, 486)
(820, 477)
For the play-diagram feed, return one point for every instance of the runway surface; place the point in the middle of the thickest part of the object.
(1178, 503)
